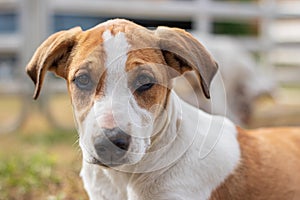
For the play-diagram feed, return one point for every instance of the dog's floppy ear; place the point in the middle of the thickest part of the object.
(53, 55)
(183, 53)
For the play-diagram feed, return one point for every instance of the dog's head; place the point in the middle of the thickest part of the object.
(118, 76)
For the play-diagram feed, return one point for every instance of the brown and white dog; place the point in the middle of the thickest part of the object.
(139, 140)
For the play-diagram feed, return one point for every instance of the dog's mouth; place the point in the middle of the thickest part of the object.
(95, 161)
(106, 164)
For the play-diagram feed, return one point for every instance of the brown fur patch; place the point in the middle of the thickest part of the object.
(148, 61)
(88, 57)
(269, 168)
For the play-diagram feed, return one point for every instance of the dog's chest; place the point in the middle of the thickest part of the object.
(195, 175)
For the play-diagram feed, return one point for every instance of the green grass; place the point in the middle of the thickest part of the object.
(40, 165)
(39, 161)
(23, 174)
(50, 137)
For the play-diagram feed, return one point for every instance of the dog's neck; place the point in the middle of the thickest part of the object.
(170, 140)
(214, 144)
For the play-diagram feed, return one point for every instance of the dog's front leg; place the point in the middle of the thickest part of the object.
(98, 185)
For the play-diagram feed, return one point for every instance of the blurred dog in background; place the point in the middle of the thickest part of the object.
(243, 80)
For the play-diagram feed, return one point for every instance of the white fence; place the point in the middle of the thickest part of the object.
(277, 47)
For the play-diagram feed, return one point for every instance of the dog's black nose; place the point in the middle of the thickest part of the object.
(112, 146)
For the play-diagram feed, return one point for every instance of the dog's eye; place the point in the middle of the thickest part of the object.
(143, 83)
(83, 82)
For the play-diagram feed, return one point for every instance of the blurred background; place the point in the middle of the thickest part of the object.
(256, 43)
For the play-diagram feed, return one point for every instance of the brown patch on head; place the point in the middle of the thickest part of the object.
(148, 63)
(89, 60)
(184, 53)
(55, 55)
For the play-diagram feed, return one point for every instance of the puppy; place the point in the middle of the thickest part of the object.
(139, 140)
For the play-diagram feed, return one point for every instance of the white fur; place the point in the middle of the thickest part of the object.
(203, 152)
(119, 98)
(193, 152)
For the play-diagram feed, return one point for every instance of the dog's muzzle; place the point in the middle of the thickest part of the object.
(112, 147)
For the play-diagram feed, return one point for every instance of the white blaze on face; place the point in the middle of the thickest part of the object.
(118, 107)
(116, 49)
(118, 98)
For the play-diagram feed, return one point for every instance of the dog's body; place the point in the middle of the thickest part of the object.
(139, 140)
